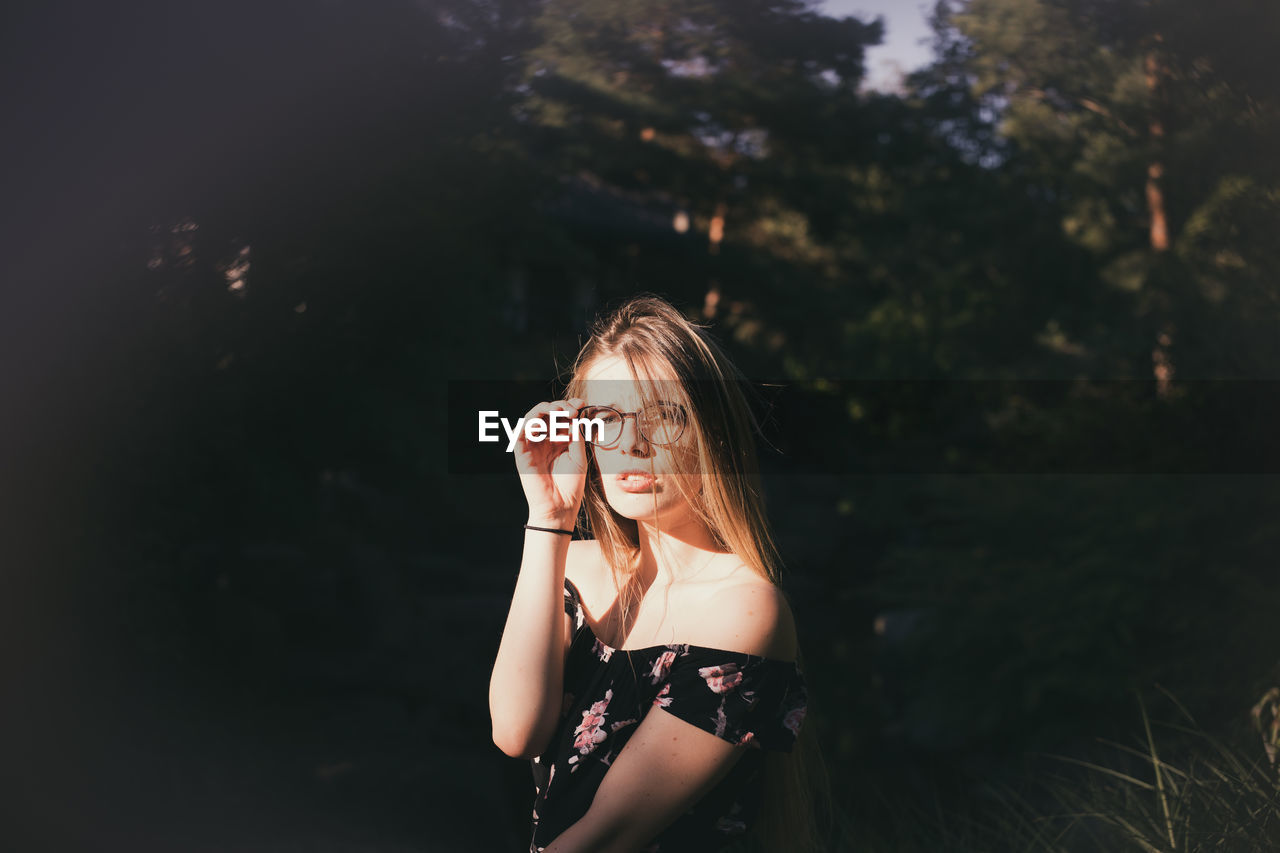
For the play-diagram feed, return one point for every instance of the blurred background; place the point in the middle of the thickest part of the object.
(1023, 252)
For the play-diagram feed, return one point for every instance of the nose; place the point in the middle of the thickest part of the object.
(631, 441)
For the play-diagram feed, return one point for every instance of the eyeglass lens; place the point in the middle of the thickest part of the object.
(660, 423)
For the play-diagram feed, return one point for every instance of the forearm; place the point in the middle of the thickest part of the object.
(594, 833)
(526, 686)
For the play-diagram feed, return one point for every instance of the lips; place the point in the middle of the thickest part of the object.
(635, 480)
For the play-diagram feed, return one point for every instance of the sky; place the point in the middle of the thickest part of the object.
(905, 24)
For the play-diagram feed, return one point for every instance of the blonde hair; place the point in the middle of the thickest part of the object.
(654, 338)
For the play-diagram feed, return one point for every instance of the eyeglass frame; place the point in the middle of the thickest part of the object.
(636, 414)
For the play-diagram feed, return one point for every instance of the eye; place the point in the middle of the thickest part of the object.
(609, 416)
(667, 412)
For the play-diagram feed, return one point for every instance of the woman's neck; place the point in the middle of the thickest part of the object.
(675, 554)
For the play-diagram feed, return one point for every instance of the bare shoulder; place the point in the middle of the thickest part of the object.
(753, 617)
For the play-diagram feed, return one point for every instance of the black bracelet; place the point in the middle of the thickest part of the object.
(549, 529)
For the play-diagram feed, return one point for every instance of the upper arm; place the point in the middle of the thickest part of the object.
(752, 618)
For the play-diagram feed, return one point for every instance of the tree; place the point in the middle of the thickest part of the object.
(1147, 123)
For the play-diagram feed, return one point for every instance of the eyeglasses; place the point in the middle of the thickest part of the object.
(659, 423)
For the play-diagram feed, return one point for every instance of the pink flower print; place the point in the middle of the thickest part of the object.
(588, 735)
(620, 724)
(723, 678)
(794, 719)
(748, 739)
(601, 707)
(662, 700)
(722, 721)
(589, 732)
(602, 651)
(662, 666)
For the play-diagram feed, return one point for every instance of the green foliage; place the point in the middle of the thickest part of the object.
(1095, 96)
(1042, 599)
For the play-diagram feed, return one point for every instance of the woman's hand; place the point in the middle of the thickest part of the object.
(552, 473)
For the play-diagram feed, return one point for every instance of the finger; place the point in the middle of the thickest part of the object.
(543, 411)
(571, 405)
(538, 410)
(524, 463)
(544, 448)
(578, 453)
(564, 428)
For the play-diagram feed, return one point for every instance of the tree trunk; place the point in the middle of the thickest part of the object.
(1162, 366)
(715, 233)
(1159, 234)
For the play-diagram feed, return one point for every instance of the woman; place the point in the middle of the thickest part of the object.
(661, 711)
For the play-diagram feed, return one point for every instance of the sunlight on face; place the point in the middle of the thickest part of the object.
(652, 494)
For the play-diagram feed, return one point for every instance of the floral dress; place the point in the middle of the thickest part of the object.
(750, 701)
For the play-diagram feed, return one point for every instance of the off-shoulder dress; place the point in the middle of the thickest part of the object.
(754, 702)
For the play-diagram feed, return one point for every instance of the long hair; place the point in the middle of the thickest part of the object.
(655, 339)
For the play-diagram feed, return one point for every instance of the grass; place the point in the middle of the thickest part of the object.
(1179, 790)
